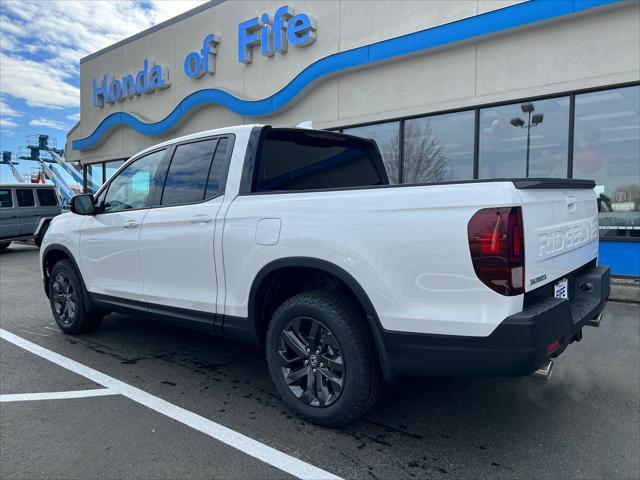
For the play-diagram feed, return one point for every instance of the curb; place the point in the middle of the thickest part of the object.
(625, 290)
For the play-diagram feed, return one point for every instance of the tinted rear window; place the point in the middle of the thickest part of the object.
(302, 160)
(189, 172)
(5, 198)
(47, 197)
(25, 197)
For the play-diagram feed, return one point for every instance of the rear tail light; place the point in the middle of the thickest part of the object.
(496, 243)
(553, 346)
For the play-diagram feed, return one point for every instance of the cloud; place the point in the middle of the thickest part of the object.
(48, 123)
(6, 111)
(41, 43)
(38, 84)
(74, 117)
(6, 123)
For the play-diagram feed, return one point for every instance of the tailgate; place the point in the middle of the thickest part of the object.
(561, 232)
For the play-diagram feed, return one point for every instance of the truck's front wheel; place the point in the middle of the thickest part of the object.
(67, 301)
(320, 358)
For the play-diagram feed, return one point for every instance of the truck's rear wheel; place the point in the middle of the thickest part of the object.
(320, 358)
(66, 296)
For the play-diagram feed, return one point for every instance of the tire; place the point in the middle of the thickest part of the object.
(4, 245)
(40, 237)
(349, 378)
(66, 296)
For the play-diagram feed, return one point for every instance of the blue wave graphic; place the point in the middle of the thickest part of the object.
(414, 43)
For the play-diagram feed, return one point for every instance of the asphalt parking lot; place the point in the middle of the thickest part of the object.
(584, 423)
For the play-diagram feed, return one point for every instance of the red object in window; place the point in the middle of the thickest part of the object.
(496, 243)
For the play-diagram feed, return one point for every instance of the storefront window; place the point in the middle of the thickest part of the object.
(528, 139)
(387, 136)
(111, 168)
(438, 148)
(607, 150)
(93, 177)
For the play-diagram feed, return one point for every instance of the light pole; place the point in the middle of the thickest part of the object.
(535, 119)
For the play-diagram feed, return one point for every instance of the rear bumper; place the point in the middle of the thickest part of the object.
(518, 346)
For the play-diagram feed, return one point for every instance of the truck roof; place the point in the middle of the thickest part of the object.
(194, 136)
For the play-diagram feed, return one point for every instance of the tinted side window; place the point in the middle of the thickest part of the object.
(47, 197)
(5, 198)
(188, 173)
(215, 184)
(25, 197)
(299, 160)
(135, 186)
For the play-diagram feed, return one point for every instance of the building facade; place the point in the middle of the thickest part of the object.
(449, 89)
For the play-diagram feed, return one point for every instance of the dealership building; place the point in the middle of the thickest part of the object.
(450, 90)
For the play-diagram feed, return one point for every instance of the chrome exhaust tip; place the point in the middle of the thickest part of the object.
(544, 372)
(595, 322)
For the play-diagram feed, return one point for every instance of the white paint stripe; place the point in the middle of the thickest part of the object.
(234, 439)
(25, 397)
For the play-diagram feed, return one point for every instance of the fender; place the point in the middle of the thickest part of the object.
(41, 223)
(372, 317)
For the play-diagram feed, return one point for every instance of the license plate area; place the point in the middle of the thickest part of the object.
(561, 289)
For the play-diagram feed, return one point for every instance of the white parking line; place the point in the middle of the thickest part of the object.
(234, 439)
(25, 397)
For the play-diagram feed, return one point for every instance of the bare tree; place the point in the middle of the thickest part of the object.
(424, 160)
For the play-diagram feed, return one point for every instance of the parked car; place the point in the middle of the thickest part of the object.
(294, 240)
(26, 210)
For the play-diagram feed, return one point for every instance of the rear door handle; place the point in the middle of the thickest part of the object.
(201, 219)
(130, 224)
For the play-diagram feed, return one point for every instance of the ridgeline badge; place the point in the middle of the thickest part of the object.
(271, 34)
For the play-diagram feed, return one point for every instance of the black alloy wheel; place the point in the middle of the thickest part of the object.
(321, 359)
(312, 363)
(65, 298)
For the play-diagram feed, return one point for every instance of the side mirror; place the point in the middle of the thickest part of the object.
(83, 204)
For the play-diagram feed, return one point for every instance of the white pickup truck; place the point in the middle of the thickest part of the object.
(294, 240)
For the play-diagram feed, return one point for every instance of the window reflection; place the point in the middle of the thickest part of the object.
(607, 150)
(96, 174)
(111, 168)
(94, 177)
(438, 148)
(525, 136)
(387, 136)
(134, 187)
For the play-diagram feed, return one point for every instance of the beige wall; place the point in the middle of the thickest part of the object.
(597, 48)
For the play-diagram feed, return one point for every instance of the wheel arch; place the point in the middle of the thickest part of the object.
(54, 253)
(260, 288)
(41, 224)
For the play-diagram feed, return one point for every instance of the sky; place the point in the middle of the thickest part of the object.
(41, 44)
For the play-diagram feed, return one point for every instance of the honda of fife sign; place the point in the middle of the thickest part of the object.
(271, 34)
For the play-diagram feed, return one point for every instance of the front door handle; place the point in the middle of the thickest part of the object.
(201, 219)
(130, 224)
